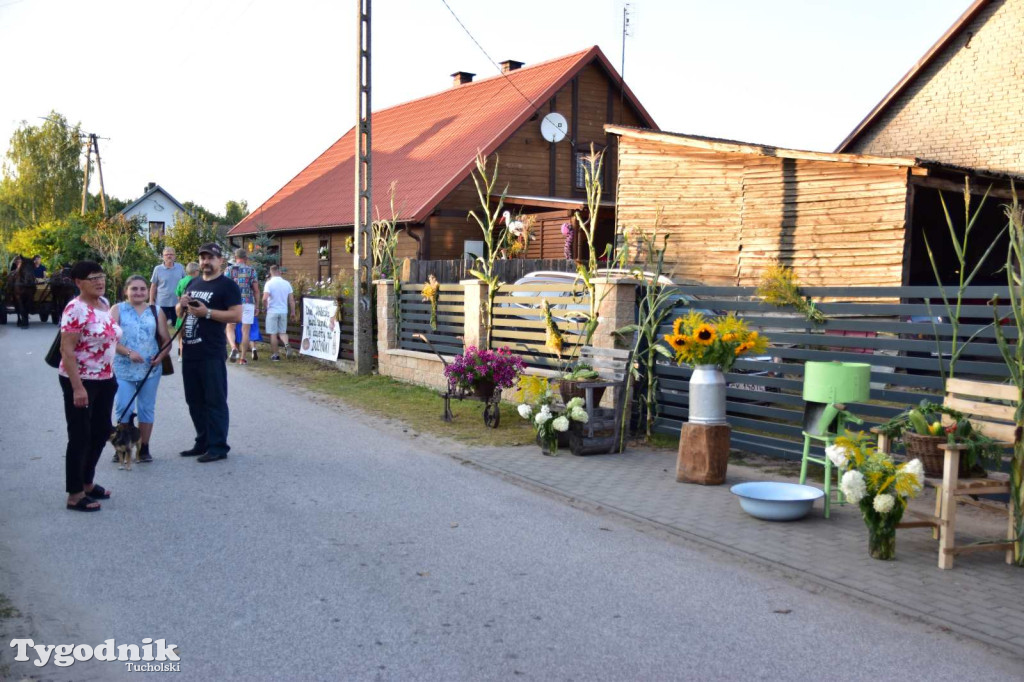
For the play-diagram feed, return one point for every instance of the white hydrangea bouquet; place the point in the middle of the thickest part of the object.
(549, 422)
(880, 486)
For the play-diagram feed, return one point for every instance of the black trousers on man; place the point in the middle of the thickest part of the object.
(88, 430)
(206, 392)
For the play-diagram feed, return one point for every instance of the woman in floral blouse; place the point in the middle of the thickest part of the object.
(87, 343)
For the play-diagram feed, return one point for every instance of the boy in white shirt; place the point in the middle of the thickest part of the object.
(279, 302)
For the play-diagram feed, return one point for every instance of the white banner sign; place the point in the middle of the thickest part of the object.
(321, 331)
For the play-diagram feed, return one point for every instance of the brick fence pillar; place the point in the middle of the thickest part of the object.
(616, 309)
(387, 322)
(474, 327)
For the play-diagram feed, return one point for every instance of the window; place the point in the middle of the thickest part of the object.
(581, 163)
(156, 231)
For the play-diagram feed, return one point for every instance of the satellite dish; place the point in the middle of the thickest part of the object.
(554, 127)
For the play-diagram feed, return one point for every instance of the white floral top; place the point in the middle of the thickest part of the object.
(97, 344)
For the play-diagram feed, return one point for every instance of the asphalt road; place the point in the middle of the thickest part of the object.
(332, 546)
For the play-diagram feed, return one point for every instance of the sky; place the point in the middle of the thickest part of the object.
(229, 99)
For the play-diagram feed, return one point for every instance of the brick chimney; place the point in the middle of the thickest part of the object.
(461, 78)
(510, 65)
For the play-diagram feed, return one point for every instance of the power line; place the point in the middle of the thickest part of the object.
(477, 43)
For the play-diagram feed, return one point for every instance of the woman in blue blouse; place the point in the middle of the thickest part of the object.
(145, 333)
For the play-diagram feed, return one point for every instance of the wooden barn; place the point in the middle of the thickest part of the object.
(427, 147)
(733, 208)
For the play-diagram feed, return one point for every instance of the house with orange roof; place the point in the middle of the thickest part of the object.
(427, 148)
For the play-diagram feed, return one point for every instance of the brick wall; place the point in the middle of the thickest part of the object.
(967, 106)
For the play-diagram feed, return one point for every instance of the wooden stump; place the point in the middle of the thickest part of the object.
(703, 454)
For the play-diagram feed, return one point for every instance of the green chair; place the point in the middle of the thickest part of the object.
(827, 387)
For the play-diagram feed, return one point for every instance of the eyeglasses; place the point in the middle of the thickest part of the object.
(97, 278)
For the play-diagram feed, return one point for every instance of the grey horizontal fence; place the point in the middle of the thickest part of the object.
(508, 271)
(415, 319)
(519, 323)
(865, 324)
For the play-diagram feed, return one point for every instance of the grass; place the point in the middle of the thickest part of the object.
(7, 610)
(418, 407)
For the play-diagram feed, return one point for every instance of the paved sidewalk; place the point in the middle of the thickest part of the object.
(981, 597)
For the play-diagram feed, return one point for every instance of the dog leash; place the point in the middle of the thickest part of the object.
(151, 368)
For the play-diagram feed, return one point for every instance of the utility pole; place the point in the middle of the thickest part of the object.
(99, 171)
(362, 256)
(92, 142)
(85, 185)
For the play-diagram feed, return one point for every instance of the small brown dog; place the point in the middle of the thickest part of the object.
(125, 439)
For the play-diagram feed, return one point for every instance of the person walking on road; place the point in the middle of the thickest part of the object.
(211, 301)
(244, 275)
(144, 333)
(279, 302)
(88, 338)
(163, 283)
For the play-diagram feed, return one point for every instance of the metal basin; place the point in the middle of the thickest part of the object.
(773, 501)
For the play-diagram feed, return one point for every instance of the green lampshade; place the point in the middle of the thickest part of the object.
(837, 382)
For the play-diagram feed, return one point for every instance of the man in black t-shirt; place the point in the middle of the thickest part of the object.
(211, 302)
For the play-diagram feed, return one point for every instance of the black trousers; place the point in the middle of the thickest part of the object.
(88, 430)
(206, 392)
(23, 299)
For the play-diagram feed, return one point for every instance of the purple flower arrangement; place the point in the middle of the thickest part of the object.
(501, 367)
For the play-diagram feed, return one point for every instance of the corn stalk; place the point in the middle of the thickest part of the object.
(588, 227)
(1014, 357)
(953, 309)
(655, 306)
(383, 245)
(488, 221)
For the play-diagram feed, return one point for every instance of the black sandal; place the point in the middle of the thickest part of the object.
(98, 492)
(83, 505)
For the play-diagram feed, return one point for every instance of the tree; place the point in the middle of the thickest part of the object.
(262, 257)
(42, 180)
(235, 211)
(188, 234)
(121, 248)
(57, 241)
(203, 215)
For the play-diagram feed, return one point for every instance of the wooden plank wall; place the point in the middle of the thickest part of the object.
(732, 214)
(699, 194)
(834, 223)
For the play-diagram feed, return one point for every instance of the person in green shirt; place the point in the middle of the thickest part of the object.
(191, 270)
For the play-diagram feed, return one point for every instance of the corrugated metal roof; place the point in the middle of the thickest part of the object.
(427, 146)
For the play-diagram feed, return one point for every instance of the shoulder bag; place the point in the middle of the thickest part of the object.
(53, 355)
(168, 363)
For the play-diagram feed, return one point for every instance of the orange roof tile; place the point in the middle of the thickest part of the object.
(427, 146)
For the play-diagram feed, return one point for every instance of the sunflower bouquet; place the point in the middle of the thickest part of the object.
(696, 340)
(872, 480)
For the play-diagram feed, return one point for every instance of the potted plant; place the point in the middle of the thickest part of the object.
(482, 371)
(324, 252)
(711, 347)
(879, 486)
(569, 387)
(924, 428)
(552, 423)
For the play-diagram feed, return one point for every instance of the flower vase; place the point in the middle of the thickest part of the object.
(882, 543)
(707, 395)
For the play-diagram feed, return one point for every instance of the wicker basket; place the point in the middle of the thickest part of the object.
(572, 389)
(926, 449)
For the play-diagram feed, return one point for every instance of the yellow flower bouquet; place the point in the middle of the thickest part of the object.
(696, 340)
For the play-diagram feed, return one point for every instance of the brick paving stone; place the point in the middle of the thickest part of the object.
(980, 597)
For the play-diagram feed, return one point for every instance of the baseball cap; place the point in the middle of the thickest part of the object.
(212, 249)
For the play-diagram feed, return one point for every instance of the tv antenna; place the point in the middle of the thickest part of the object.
(627, 30)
